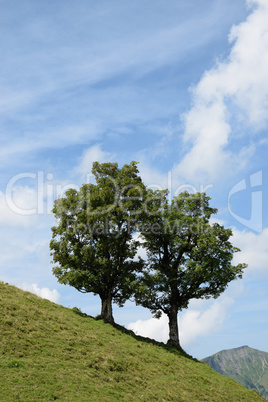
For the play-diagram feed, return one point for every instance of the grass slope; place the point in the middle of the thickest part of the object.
(246, 365)
(49, 352)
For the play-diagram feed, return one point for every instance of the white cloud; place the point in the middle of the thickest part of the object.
(152, 177)
(153, 328)
(195, 323)
(89, 156)
(198, 320)
(254, 251)
(56, 138)
(18, 207)
(141, 251)
(207, 129)
(64, 79)
(240, 82)
(45, 293)
(120, 47)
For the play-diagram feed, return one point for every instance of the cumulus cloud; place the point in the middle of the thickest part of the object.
(254, 251)
(153, 328)
(90, 155)
(239, 83)
(195, 323)
(198, 320)
(45, 293)
(152, 177)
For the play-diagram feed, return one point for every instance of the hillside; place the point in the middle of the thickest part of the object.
(49, 352)
(246, 365)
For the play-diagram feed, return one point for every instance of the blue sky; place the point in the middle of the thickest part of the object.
(181, 87)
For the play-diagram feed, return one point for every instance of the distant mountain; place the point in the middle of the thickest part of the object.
(245, 365)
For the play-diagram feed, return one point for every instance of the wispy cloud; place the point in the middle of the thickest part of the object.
(87, 53)
(60, 86)
(36, 139)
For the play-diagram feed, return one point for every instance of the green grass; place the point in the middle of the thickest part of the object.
(49, 352)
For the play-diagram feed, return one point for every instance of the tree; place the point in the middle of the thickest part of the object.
(188, 257)
(92, 244)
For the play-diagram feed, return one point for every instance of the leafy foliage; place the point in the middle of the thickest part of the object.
(94, 248)
(92, 244)
(188, 257)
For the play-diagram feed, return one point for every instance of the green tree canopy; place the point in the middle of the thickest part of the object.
(188, 257)
(92, 244)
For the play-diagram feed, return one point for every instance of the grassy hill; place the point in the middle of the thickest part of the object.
(49, 352)
(246, 365)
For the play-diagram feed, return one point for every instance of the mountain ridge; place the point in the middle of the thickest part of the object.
(244, 364)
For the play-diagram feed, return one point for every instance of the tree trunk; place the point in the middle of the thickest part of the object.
(106, 308)
(173, 327)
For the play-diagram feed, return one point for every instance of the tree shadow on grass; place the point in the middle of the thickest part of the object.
(169, 348)
(78, 311)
